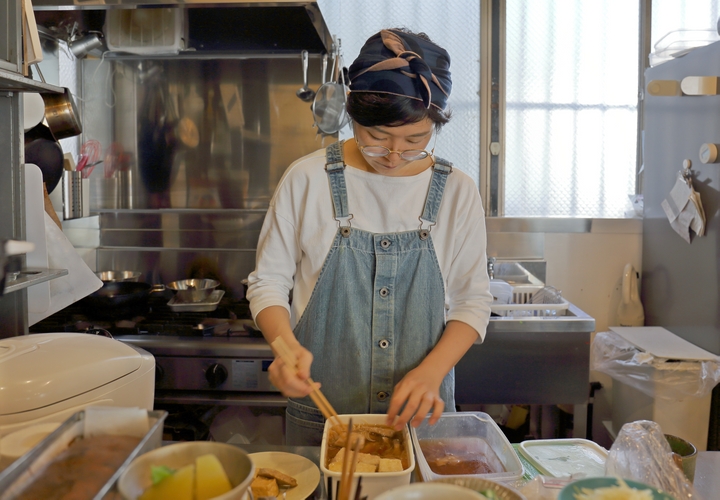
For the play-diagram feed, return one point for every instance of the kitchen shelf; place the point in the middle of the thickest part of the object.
(15, 82)
(32, 276)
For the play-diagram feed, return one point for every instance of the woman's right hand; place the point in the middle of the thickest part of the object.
(291, 382)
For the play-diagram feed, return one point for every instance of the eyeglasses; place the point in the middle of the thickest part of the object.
(381, 151)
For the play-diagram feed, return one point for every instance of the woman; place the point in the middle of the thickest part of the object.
(383, 247)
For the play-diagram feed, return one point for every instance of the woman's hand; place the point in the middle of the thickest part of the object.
(419, 391)
(292, 383)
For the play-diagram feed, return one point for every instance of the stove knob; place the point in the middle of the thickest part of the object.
(216, 374)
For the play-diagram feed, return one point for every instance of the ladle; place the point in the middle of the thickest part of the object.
(305, 93)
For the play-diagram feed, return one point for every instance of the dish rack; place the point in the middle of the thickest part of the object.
(522, 304)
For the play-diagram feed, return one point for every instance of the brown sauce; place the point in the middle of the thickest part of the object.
(460, 456)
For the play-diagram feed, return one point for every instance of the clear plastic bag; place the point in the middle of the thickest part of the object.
(656, 377)
(641, 453)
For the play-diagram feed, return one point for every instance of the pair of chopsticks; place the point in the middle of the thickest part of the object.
(318, 397)
(349, 465)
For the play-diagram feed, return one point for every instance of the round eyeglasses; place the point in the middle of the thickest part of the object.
(381, 151)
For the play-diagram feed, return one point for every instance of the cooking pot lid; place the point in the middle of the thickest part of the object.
(46, 368)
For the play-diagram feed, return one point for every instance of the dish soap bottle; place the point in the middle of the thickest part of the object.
(630, 311)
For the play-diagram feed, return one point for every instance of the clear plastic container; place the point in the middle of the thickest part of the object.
(151, 31)
(679, 42)
(478, 432)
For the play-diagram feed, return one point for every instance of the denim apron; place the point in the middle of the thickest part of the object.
(377, 310)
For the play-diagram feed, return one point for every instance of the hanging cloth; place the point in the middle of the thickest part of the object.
(683, 207)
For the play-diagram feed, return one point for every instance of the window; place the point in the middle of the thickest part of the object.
(566, 125)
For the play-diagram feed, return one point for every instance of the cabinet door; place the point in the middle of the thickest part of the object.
(10, 35)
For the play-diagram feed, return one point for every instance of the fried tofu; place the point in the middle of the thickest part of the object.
(390, 465)
(365, 458)
(264, 487)
(360, 467)
(282, 479)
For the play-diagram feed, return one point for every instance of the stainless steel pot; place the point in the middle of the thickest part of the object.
(193, 290)
(61, 114)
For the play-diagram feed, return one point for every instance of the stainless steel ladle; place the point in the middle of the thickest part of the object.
(305, 93)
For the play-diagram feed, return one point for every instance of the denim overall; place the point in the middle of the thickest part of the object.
(377, 310)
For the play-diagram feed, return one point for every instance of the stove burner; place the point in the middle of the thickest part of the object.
(231, 318)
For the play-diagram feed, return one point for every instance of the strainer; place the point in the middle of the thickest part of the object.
(328, 107)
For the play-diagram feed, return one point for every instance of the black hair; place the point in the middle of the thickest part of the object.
(371, 109)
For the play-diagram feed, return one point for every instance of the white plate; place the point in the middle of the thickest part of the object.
(303, 470)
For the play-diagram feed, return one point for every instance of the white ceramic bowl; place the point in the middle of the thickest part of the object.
(237, 464)
(430, 491)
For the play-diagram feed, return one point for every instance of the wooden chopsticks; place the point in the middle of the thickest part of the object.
(318, 397)
(349, 465)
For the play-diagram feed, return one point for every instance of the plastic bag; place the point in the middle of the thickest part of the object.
(656, 377)
(642, 453)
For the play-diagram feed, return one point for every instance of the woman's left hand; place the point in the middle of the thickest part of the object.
(419, 391)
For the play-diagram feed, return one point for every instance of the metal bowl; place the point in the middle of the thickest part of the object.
(118, 275)
(193, 290)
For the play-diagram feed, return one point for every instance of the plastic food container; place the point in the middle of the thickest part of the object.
(24, 470)
(373, 483)
(565, 457)
(468, 433)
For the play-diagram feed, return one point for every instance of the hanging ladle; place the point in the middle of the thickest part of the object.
(305, 93)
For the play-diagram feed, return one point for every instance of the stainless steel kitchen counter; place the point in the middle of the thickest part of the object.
(543, 360)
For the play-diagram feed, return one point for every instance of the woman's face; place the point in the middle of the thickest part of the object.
(397, 139)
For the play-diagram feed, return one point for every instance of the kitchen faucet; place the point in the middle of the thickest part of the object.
(491, 267)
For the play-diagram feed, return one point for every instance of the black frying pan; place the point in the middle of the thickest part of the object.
(120, 294)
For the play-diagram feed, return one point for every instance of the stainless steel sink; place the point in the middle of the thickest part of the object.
(529, 360)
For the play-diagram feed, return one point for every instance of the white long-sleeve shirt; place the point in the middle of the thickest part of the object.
(299, 229)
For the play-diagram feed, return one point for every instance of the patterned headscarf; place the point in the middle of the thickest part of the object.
(394, 62)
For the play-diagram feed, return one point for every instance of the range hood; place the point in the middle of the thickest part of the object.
(276, 27)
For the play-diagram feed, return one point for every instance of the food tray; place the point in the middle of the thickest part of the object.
(205, 306)
(21, 472)
(522, 304)
(373, 483)
(565, 457)
(463, 426)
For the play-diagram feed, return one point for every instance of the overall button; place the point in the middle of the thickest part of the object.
(384, 292)
(383, 344)
(382, 395)
(385, 243)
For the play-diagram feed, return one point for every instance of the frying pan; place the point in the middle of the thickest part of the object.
(121, 294)
(43, 150)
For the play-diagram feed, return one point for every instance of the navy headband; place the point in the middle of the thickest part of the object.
(395, 62)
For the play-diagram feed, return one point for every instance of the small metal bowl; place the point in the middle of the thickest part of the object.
(111, 276)
(193, 290)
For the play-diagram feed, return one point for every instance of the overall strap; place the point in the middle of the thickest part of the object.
(441, 170)
(335, 168)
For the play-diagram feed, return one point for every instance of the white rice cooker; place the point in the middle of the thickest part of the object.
(47, 377)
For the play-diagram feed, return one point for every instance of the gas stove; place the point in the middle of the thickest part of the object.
(211, 358)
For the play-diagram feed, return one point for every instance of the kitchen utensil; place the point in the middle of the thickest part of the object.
(61, 114)
(121, 294)
(193, 290)
(43, 150)
(238, 466)
(111, 276)
(328, 107)
(684, 453)
(305, 93)
(318, 397)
